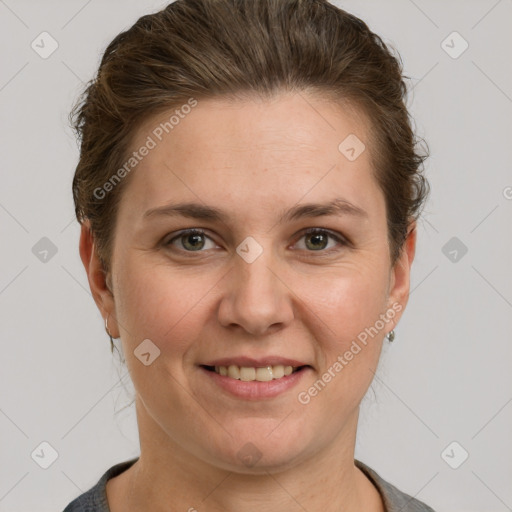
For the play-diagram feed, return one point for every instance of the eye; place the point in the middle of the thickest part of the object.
(196, 240)
(190, 240)
(316, 239)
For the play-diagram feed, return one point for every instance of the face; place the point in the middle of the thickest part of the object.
(263, 281)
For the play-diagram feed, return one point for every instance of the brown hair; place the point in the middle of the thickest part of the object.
(213, 48)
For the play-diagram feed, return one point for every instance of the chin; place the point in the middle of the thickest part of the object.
(261, 453)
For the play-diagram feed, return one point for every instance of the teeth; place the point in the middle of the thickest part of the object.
(278, 371)
(234, 372)
(264, 374)
(247, 374)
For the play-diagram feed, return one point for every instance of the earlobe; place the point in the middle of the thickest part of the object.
(97, 277)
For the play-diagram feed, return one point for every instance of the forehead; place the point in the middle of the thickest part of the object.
(253, 149)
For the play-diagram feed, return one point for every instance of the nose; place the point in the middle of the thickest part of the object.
(256, 298)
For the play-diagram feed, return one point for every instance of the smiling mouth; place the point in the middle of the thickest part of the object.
(248, 374)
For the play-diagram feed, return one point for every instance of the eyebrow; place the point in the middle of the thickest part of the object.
(337, 206)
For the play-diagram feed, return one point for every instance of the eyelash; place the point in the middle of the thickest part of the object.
(310, 231)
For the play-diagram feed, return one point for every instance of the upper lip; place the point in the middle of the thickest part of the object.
(250, 362)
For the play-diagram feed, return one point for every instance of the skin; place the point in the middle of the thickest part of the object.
(254, 159)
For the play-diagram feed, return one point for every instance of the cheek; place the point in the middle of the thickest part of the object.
(348, 305)
(162, 305)
(348, 301)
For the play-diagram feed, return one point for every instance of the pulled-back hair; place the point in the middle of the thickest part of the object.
(219, 48)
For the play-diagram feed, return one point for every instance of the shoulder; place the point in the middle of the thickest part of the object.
(394, 499)
(95, 499)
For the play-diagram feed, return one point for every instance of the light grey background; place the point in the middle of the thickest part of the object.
(445, 378)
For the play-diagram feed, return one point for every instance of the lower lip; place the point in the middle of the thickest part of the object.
(256, 390)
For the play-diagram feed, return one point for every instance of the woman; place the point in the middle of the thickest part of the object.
(248, 189)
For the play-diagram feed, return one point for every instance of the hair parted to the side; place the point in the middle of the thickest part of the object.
(219, 48)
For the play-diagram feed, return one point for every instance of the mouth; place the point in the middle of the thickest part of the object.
(250, 373)
(250, 378)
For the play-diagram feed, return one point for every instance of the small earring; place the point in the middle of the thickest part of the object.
(106, 326)
(390, 335)
(109, 335)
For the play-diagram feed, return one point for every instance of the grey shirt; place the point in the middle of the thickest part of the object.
(95, 499)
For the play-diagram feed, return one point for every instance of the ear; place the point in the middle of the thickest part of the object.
(400, 275)
(97, 278)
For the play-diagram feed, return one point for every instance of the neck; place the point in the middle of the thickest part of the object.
(327, 480)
